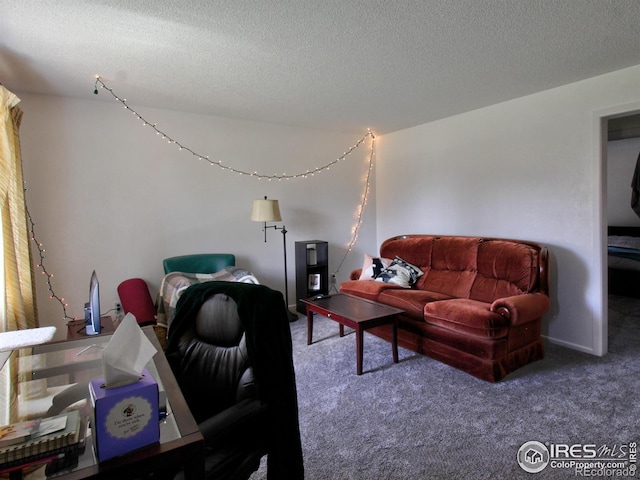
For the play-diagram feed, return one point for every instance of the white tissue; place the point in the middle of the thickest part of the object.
(126, 354)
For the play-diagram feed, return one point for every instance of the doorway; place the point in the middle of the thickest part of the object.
(621, 224)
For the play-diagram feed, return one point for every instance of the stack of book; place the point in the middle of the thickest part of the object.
(42, 440)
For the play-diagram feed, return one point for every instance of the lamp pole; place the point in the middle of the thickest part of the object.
(292, 316)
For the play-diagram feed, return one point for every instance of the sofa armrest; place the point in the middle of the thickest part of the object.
(521, 309)
(355, 274)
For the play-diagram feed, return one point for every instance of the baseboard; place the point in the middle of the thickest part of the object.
(572, 346)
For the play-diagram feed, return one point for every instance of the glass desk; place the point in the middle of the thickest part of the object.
(44, 370)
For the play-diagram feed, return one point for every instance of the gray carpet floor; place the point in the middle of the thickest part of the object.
(421, 419)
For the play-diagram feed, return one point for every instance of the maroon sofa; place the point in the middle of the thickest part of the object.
(477, 306)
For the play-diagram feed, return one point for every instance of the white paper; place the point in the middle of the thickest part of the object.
(126, 354)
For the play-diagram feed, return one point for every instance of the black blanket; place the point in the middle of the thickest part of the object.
(268, 337)
(635, 188)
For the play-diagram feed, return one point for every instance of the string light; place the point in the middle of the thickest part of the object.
(260, 176)
(363, 203)
(40, 265)
(171, 141)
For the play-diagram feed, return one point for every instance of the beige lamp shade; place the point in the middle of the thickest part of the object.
(266, 211)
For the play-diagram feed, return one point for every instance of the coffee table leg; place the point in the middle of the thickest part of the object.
(359, 349)
(309, 326)
(394, 340)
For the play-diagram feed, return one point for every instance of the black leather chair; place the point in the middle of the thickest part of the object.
(229, 347)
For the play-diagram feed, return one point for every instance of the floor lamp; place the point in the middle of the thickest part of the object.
(269, 211)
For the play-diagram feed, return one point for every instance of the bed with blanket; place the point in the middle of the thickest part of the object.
(623, 249)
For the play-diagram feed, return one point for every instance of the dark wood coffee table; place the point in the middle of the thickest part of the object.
(356, 313)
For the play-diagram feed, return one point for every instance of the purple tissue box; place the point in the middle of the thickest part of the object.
(124, 418)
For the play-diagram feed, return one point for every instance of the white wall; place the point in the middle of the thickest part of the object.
(621, 163)
(528, 168)
(108, 194)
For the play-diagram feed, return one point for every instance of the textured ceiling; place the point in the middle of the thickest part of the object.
(343, 65)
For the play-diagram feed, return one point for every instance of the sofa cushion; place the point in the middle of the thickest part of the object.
(468, 316)
(400, 272)
(416, 251)
(412, 301)
(372, 266)
(453, 266)
(504, 269)
(366, 289)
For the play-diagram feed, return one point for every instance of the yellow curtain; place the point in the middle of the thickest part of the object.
(20, 309)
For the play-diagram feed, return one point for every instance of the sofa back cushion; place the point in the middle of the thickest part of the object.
(505, 268)
(415, 250)
(453, 266)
